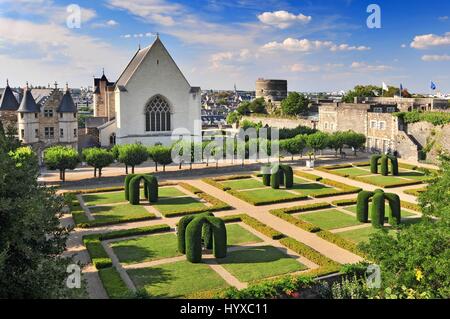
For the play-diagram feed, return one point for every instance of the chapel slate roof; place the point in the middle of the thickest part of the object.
(8, 101)
(67, 105)
(28, 104)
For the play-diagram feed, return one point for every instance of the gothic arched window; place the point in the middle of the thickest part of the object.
(157, 115)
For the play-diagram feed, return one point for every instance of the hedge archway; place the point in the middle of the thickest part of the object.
(377, 212)
(128, 178)
(384, 169)
(150, 188)
(278, 175)
(191, 232)
(374, 163)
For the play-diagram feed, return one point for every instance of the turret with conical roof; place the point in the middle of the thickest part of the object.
(28, 118)
(67, 105)
(68, 122)
(28, 104)
(8, 102)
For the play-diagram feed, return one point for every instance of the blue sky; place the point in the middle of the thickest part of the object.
(320, 45)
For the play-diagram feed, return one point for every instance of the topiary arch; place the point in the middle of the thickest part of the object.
(277, 175)
(193, 229)
(377, 212)
(132, 188)
(384, 164)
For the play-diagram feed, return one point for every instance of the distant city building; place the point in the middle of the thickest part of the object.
(43, 118)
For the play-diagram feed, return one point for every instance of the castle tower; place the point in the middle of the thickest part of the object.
(8, 107)
(28, 118)
(68, 122)
(104, 98)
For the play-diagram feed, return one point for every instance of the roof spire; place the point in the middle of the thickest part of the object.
(26, 87)
(157, 35)
(56, 85)
(67, 87)
(7, 82)
(103, 71)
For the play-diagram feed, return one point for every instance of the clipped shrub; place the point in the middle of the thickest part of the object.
(384, 170)
(362, 206)
(339, 241)
(114, 285)
(344, 202)
(266, 179)
(295, 221)
(150, 184)
(261, 202)
(261, 227)
(378, 210)
(361, 164)
(135, 232)
(128, 179)
(303, 208)
(307, 176)
(181, 232)
(394, 216)
(216, 184)
(275, 180)
(374, 163)
(410, 206)
(288, 175)
(394, 165)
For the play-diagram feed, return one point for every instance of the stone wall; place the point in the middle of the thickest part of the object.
(405, 147)
(280, 122)
(432, 138)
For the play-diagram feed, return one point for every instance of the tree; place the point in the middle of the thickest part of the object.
(61, 158)
(132, 155)
(354, 140)
(295, 104)
(32, 239)
(258, 106)
(162, 155)
(233, 117)
(317, 141)
(243, 108)
(98, 158)
(362, 91)
(336, 142)
(293, 146)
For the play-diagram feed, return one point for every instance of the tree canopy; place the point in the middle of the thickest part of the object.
(98, 158)
(61, 158)
(295, 104)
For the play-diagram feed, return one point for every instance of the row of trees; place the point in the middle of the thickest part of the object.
(373, 91)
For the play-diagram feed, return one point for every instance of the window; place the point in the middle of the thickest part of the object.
(36, 115)
(378, 109)
(74, 132)
(60, 115)
(48, 112)
(373, 124)
(157, 115)
(21, 115)
(36, 133)
(326, 125)
(74, 115)
(22, 133)
(391, 109)
(332, 126)
(382, 125)
(49, 132)
(61, 132)
(112, 139)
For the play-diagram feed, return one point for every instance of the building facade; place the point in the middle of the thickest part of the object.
(43, 118)
(152, 100)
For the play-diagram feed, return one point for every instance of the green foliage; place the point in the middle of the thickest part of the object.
(288, 176)
(61, 158)
(275, 180)
(113, 283)
(394, 208)
(378, 209)
(394, 165)
(312, 177)
(266, 179)
(362, 91)
(362, 206)
(150, 188)
(435, 118)
(384, 166)
(258, 106)
(32, 239)
(128, 179)
(132, 155)
(293, 146)
(295, 104)
(98, 158)
(318, 141)
(244, 108)
(354, 140)
(161, 155)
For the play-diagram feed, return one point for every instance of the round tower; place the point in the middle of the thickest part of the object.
(273, 91)
(28, 118)
(68, 119)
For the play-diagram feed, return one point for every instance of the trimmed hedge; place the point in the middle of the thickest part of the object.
(394, 208)
(275, 180)
(369, 180)
(288, 176)
(410, 206)
(362, 206)
(394, 165)
(374, 163)
(150, 188)
(415, 192)
(340, 241)
(336, 166)
(128, 179)
(384, 170)
(308, 176)
(377, 212)
(113, 283)
(361, 164)
(345, 202)
(295, 221)
(288, 198)
(256, 224)
(303, 208)
(147, 230)
(233, 177)
(212, 182)
(190, 188)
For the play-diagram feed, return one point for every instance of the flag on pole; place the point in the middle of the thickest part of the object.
(433, 86)
(401, 90)
(385, 87)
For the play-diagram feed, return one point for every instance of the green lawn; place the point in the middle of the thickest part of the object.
(311, 188)
(256, 263)
(178, 204)
(104, 198)
(117, 213)
(384, 180)
(414, 175)
(236, 235)
(403, 213)
(176, 280)
(298, 180)
(267, 194)
(352, 171)
(119, 197)
(239, 184)
(329, 219)
(146, 248)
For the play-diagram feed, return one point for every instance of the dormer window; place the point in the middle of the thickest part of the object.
(21, 115)
(48, 112)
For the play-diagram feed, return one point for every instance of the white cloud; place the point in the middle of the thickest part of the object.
(283, 19)
(403, 46)
(364, 67)
(436, 58)
(305, 45)
(226, 59)
(303, 68)
(443, 18)
(430, 40)
(106, 24)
